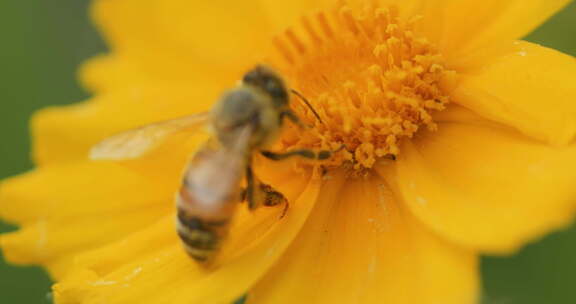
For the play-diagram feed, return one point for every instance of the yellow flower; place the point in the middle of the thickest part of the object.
(481, 125)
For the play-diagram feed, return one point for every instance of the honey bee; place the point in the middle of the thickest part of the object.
(245, 120)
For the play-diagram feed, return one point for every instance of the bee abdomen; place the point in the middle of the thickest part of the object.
(199, 237)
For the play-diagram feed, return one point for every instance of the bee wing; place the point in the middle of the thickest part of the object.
(136, 142)
(213, 176)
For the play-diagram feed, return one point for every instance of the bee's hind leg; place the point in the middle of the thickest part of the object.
(243, 194)
(259, 194)
(248, 193)
(274, 198)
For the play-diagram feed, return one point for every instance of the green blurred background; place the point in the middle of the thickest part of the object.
(44, 41)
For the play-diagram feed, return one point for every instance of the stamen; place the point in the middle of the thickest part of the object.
(323, 22)
(311, 32)
(370, 77)
(283, 49)
(298, 45)
(349, 20)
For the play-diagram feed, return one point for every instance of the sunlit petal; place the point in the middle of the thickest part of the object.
(486, 187)
(528, 87)
(359, 245)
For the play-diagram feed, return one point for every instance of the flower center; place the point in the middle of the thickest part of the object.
(373, 81)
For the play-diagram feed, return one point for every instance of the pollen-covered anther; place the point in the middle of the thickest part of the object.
(372, 79)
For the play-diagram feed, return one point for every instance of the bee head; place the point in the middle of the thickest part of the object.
(268, 81)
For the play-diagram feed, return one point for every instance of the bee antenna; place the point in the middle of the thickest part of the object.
(307, 104)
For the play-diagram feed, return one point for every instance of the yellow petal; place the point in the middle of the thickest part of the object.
(190, 36)
(63, 134)
(58, 268)
(360, 246)
(46, 241)
(152, 80)
(528, 87)
(462, 26)
(68, 209)
(284, 14)
(132, 271)
(77, 189)
(486, 187)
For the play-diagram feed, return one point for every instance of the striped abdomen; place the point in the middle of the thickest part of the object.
(207, 201)
(201, 238)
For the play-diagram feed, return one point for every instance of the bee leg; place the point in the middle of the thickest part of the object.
(274, 198)
(261, 194)
(249, 193)
(320, 155)
(286, 207)
(289, 114)
(243, 193)
(306, 153)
